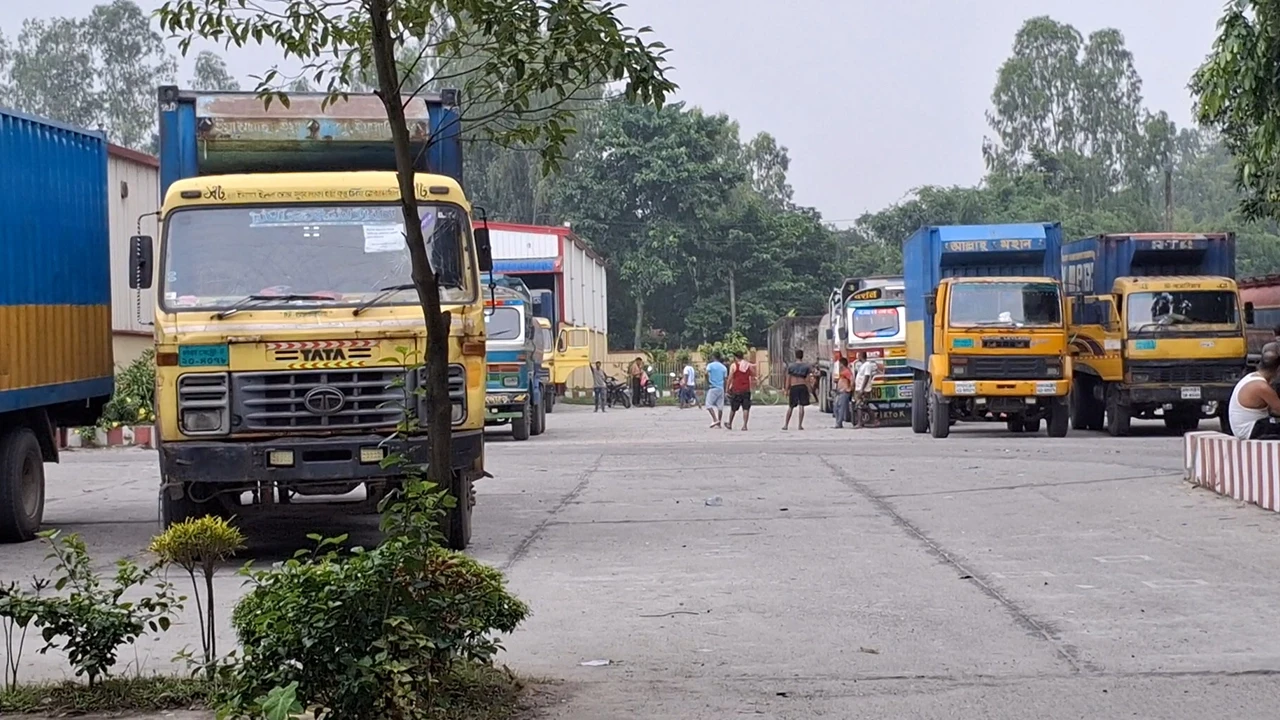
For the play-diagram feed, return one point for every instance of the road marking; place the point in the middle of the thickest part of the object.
(1173, 584)
(1087, 587)
(1023, 574)
(1122, 558)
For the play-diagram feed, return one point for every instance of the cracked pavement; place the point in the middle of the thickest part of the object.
(844, 574)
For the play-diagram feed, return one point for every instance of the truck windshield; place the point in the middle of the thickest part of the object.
(1005, 304)
(504, 323)
(323, 255)
(873, 322)
(1152, 311)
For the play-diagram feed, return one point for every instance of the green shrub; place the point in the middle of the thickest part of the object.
(370, 634)
(732, 342)
(134, 400)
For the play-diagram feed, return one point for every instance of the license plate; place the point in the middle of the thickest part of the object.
(904, 392)
(966, 388)
(1190, 393)
(1046, 388)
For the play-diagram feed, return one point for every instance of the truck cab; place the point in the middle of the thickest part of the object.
(1158, 330)
(514, 390)
(868, 315)
(987, 327)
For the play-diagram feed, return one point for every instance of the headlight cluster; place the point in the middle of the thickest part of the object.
(204, 404)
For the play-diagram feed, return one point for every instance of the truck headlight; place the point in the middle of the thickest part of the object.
(201, 421)
(960, 368)
(1053, 368)
(1138, 378)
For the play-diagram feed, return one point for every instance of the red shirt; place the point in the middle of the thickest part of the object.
(741, 380)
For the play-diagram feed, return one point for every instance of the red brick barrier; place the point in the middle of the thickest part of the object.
(1247, 470)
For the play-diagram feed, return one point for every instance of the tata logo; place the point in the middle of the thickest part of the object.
(324, 354)
(324, 400)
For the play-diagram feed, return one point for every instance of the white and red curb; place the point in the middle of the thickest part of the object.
(1247, 470)
(123, 436)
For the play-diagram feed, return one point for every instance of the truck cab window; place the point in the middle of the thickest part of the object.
(504, 324)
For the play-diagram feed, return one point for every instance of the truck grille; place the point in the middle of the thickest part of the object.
(457, 393)
(1188, 373)
(1027, 367)
(320, 399)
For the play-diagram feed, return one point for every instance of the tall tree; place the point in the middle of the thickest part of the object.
(211, 73)
(552, 46)
(52, 70)
(768, 163)
(1036, 99)
(1237, 94)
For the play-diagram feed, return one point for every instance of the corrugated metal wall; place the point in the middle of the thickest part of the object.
(54, 263)
(586, 301)
(787, 335)
(133, 189)
(517, 245)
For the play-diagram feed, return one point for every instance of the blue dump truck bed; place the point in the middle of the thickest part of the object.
(936, 252)
(222, 133)
(55, 275)
(1091, 265)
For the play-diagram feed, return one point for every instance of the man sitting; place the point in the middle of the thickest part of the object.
(1254, 401)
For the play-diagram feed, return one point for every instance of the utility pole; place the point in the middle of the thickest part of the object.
(1168, 197)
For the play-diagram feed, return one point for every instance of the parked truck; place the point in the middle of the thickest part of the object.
(987, 327)
(1263, 294)
(515, 391)
(56, 367)
(867, 315)
(1158, 330)
(289, 337)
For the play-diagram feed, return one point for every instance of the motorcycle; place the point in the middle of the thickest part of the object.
(648, 391)
(615, 393)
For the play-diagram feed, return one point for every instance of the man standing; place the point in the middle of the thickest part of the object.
(688, 394)
(716, 373)
(740, 379)
(599, 386)
(635, 370)
(1254, 402)
(844, 391)
(863, 377)
(798, 380)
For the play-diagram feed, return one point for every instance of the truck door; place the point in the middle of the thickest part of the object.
(573, 352)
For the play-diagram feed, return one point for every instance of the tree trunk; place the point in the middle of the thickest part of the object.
(639, 321)
(733, 303)
(437, 421)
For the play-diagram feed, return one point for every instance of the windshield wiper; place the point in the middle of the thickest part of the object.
(251, 300)
(382, 295)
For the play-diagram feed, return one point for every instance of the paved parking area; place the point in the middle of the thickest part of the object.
(824, 573)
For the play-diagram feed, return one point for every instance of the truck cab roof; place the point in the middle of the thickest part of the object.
(1174, 282)
(310, 187)
(988, 280)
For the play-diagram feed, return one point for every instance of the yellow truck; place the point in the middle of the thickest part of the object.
(1158, 329)
(289, 338)
(987, 327)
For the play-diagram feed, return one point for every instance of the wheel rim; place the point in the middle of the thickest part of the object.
(29, 486)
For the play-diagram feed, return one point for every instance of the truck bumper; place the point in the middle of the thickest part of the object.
(500, 406)
(1005, 388)
(1175, 394)
(313, 459)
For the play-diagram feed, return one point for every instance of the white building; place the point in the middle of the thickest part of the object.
(133, 188)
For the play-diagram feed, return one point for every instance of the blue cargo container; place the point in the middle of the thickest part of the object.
(1091, 265)
(935, 252)
(56, 367)
(219, 133)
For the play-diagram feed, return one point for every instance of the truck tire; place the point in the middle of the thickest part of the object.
(1031, 426)
(1118, 418)
(1014, 424)
(538, 420)
(919, 407)
(520, 426)
(176, 510)
(939, 416)
(457, 521)
(1095, 410)
(21, 486)
(1078, 404)
(1224, 420)
(1059, 417)
(549, 399)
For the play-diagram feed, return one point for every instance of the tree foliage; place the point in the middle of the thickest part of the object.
(99, 71)
(211, 73)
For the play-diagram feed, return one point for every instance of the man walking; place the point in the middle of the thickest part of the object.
(598, 386)
(844, 391)
(688, 393)
(740, 377)
(716, 373)
(864, 375)
(798, 380)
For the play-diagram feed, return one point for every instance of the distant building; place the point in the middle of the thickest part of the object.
(133, 187)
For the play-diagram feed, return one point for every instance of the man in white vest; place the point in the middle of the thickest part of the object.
(1254, 401)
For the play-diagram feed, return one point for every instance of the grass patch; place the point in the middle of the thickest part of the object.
(474, 692)
(140, 694)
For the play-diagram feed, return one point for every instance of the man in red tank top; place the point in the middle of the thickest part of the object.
(741, 375)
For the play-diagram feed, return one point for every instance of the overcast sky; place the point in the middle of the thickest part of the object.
(872, 98)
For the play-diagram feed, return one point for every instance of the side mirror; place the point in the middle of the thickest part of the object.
(141, 259)
(831, 334)
(484, 250)
(931, 304)
(1248, 313)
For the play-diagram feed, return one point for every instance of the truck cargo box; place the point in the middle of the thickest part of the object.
(1091, 265)
(55, 275)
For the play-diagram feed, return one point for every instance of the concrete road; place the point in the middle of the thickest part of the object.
(826, 573)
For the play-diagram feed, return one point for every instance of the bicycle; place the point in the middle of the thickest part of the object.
(767, 394)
